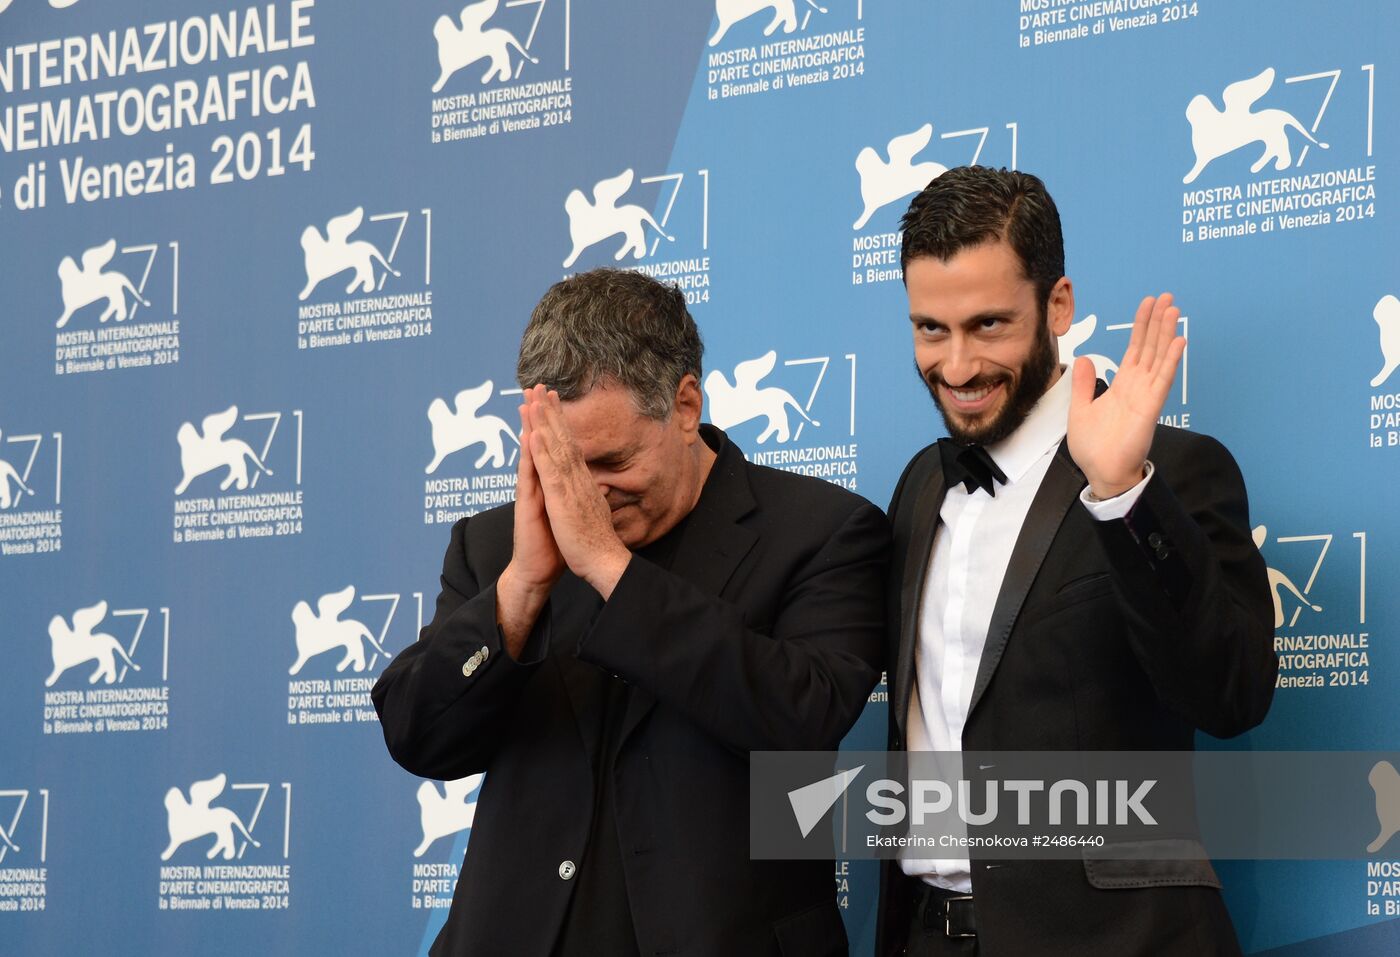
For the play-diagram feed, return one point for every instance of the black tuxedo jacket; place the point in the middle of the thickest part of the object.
(767, 633)
(1118, 635)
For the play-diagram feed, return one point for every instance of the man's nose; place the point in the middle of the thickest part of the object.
(960, 365)
(600, 480)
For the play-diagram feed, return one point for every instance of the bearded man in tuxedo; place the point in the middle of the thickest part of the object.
(1069, 576)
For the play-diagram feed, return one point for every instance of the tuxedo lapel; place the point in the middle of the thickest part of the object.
(1057, 493)
(711, 547)
(927, 504)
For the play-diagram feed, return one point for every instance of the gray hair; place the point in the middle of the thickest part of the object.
(611, 324)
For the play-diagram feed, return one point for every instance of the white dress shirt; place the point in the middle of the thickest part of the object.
(971, 549)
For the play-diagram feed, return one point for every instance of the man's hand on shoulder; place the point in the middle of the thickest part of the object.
(1109, 436)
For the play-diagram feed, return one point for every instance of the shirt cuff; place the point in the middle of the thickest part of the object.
(1108, 509)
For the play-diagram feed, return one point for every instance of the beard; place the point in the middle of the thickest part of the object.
(1023, 392)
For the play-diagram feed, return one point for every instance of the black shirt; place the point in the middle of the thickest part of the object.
(599, 920)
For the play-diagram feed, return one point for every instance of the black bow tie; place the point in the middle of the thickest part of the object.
(971, 465)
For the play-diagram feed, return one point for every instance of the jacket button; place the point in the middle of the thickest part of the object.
(471, 664)
(1154, 540)
(566, 870)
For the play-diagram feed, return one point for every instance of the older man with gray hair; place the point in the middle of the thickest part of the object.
(611, 647)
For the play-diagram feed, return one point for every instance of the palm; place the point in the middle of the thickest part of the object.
(536, 553)
(535, 548)
(1109, 436)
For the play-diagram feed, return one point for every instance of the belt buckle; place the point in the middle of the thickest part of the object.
(948, 915)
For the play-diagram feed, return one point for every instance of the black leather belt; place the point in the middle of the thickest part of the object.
(944, 911)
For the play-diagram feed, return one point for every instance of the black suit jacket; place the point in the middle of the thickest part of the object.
(1118, 635)
(767, 633)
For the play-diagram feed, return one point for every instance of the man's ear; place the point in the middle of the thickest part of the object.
(1060, 307)
(688, 405)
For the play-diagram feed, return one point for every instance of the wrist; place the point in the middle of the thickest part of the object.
(514, 590)
(1102, 490)
(518, 605)
(604, 572)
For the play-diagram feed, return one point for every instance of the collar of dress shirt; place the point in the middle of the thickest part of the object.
(1043, 429)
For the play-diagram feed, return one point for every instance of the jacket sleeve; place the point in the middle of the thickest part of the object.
(1194, 591)
(800, 686)
(446, 701)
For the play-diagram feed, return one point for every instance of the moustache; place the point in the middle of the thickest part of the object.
(933, 380)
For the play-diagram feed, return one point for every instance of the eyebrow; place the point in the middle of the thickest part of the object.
(614, 456)
(1006, 315)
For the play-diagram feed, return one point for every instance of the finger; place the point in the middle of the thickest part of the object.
(1152, 334)
(550, 412)
(543, 409)
(554, 407)
(1152, 342)
(1163, 332)
(1166, 373)
(545, 467)
(541, 421)
(526, 481)
(1081, 384)
(1140, 323)
(1166, 330)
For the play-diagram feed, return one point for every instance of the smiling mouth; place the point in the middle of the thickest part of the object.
(971, 401)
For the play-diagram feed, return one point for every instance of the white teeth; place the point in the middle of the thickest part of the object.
(973, 396)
